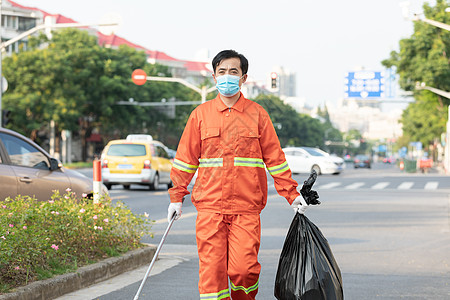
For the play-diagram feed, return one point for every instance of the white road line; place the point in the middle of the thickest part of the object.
(405, 185)
(354, 185)
(329, 185)
(432, 185)
(380, 185)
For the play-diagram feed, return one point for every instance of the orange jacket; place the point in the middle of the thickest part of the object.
(230, 147)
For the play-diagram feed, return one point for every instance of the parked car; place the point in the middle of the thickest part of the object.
(138, 159)
(27, 169)
(305, 159)
(362, 161)
(389, 160)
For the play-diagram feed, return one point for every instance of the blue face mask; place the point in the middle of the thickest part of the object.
(228, 85)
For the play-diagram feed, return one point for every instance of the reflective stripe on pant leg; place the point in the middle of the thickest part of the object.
(211, 234)
(243, 247)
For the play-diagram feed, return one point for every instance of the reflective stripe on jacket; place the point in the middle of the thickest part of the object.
(230, 148)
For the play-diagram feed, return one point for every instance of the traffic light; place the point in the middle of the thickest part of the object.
(273, 78)
(5, 117)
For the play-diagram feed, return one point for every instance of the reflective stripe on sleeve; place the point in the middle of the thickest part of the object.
(210, 162)
(246, 290)
(215, 296)
(178, 164)
(278, 169)
(248, 162)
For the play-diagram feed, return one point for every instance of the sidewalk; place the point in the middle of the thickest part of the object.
(84, 277)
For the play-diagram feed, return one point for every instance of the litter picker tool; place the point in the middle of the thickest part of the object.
(154, 257)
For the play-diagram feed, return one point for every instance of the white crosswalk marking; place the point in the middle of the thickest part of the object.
(431, 185)
(354, 185)
(329, 185)
(405, 185)
(380, 185)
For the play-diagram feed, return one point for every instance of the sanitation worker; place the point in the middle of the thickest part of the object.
(230, 141)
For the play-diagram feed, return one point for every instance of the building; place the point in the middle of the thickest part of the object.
(16, 19)
(372, 122)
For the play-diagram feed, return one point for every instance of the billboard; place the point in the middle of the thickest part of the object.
(364, 84)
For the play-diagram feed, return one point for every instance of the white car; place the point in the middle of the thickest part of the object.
(305, 159)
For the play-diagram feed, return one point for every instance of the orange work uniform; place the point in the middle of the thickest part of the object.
(231, 147)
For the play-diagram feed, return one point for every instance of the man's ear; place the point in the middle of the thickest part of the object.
(214, 77)
(244, 78)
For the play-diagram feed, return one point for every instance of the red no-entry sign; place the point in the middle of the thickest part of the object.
(139, 77)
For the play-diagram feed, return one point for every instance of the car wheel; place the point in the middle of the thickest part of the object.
(108, 186)
(154, 186)
(170, 185)
(126, 186)
(317, 169)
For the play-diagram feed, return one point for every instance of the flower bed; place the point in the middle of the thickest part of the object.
(41, 239)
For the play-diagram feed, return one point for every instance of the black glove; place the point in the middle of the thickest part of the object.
(309, 195)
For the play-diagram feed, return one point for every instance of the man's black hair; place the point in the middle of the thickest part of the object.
(225, 54)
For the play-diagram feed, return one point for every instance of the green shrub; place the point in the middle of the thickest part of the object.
(41, 239)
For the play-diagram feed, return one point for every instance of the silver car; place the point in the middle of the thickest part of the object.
(27, 169)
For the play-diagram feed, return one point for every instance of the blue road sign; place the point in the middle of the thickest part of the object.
(364, 84)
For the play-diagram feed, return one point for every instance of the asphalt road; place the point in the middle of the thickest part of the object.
(389, 232)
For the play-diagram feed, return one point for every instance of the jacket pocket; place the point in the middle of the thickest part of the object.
(211, 142)
(248, 142)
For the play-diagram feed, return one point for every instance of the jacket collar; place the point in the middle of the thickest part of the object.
(239, 105)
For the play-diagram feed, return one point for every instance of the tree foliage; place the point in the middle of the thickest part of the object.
(424, 57)
(77, 83)
(293, 129)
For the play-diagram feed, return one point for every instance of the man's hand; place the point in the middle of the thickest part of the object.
(299, 205)
(174, 208)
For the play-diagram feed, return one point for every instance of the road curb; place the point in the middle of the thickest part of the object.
(85, 276)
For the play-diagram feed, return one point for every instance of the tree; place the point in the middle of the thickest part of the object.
(424, 58)
(293, 129)
(77, 83)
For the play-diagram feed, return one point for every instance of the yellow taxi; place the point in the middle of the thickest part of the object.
(138, 159)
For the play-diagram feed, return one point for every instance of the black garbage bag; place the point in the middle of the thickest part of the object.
(307, 269)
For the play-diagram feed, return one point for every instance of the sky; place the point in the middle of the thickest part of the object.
(318, 40)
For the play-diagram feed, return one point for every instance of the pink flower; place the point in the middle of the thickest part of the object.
(68, 190)
(146, 214)
(67, 197)
(51, 201)
(100, 228)
(17, 268)
(4, 206)
(84, 195)
(24, 227)
(11, 225)
(55, 247)
(95, 217)
(106, 220)
(53, 212)
(2, 237)
(82, 210)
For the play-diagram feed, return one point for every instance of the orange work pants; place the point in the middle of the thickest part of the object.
(228, 247)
